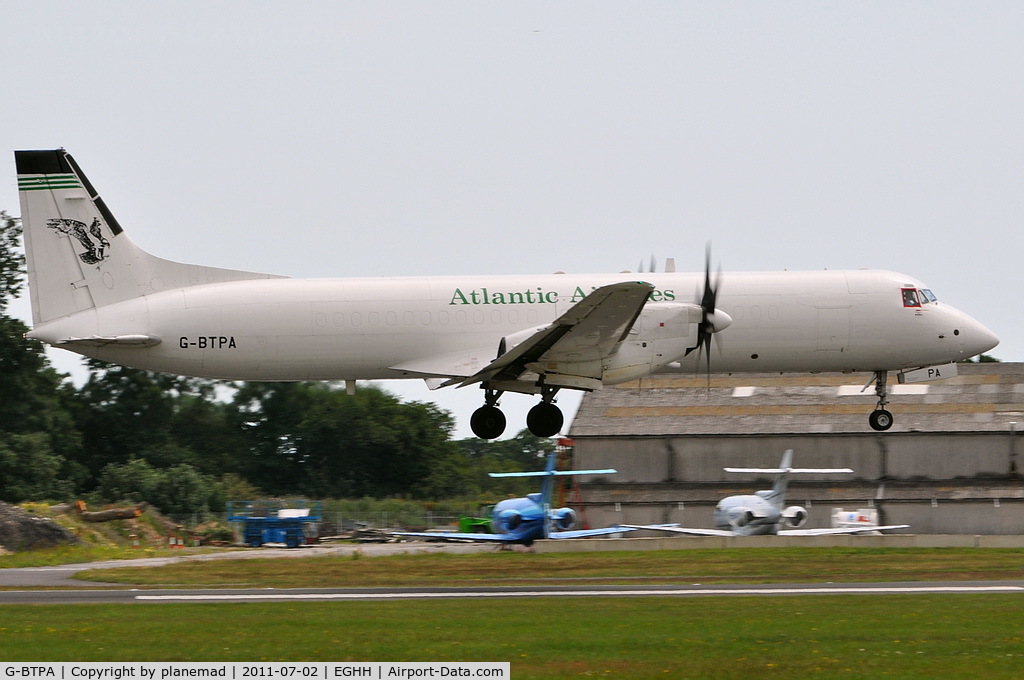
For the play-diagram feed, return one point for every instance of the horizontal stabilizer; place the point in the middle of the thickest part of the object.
(779, 471)
(133, 340)
(553, 473)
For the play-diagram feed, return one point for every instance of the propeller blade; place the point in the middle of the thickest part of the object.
(712, 318)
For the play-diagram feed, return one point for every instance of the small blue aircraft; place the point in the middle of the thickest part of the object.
(524, 520)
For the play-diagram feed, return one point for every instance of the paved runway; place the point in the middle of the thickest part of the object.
(62, 576)
(70, 591)
(158, 596)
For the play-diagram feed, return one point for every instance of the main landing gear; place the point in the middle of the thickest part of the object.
(488, 422)
(880, 419)
(543, 420)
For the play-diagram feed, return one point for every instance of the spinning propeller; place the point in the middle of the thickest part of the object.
(712, 319)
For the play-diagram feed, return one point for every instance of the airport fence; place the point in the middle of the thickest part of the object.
(339, 523)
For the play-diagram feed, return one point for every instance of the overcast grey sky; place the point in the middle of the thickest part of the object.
(396, 138)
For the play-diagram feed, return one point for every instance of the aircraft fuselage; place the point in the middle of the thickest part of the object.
(334, 329)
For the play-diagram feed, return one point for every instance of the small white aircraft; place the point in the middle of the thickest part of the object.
(94, 292)
(765, 512)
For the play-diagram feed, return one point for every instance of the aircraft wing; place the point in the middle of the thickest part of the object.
(590, 330)
(676, 529)
(511, 538)
(483, 538)
(834, 532)
(585, 533)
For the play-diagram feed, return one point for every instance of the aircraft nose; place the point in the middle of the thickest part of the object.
(978, 339)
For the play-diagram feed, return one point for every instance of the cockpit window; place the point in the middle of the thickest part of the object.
(910, 298)
(928, 295)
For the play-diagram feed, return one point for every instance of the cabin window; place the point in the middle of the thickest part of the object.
(910, 298)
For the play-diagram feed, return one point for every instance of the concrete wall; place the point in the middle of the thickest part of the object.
(996, 516)
(938, 483)
(699, 459)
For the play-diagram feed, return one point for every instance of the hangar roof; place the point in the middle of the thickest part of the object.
(984, 397)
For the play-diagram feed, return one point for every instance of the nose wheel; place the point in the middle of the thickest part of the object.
(880, 419)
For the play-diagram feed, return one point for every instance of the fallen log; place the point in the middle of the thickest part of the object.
(76, 506)
(115, 513)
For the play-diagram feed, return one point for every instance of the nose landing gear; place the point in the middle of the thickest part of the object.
(880, 419)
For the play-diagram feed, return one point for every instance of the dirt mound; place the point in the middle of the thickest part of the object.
(20, 530)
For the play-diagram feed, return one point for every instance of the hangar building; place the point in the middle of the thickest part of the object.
(950, 464)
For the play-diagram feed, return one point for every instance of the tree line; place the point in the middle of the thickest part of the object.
(186, 444)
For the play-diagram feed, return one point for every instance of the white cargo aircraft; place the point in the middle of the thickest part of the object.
(95, 292)
(765, 512)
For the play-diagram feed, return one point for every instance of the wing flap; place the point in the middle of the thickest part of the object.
(449, 365)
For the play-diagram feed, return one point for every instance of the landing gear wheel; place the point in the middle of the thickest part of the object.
(487, 422)
(545, 419)
(880, 420)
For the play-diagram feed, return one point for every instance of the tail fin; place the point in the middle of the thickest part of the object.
(549, 472)
(78, 256)
(777, 496)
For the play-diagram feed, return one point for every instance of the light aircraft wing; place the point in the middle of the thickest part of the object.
(454, 536)
(584, 533)
(590, 330)
(511, 538)
(835, 532)
(680, 530)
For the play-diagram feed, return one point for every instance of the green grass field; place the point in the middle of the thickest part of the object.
(853, 636)
(833, 636)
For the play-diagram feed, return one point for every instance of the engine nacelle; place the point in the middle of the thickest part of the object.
(794, 516)
(740, 516)
(563, 518)
(506, 520)
(661, 335)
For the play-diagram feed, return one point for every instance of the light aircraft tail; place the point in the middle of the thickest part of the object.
(547, 485)
(777, 496)
(77, 255)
